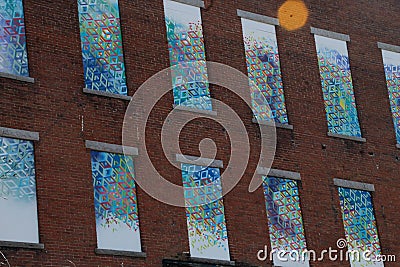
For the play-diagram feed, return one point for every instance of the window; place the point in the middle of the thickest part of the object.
(391, 60)
(13, 54)
(264, 71)
(101, 41)
(284, 218)
(18, 204)
(360, 224)
(117, 219)
(187, 53)
(337, 86)
(208, 237)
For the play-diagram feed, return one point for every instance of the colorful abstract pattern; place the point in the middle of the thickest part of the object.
(13, 54)
(284, 214)
(263, 68)
(102, 53)
(205, 212)
(115, 196)
(187, 54)
(17, 170)
(392, 71)
(359, 221)
(337, 87)
(18, 191)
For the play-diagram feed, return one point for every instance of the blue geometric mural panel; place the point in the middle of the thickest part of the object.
(208, 237)
(285, 220)
(391, 61)
(115, 201)
(360, 224)
(101, 41)
(13, 54)
(337, 86)
(264, 71)
(18, 191)
(187, 53)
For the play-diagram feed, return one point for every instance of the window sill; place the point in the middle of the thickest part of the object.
(212, 261)
(199, 161)
(195, 110)
(279, 173)
(352, 138)
(12, 244)
(111, 252)
(106, 94)
(196, 3)
(276, 124)
(354, 185)
(398, 146)
(111, 148)
(19, 134)
(17, 77)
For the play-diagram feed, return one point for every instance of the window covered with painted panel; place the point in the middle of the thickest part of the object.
(187, 54)
(391, 61)
(18, 204)
(205, 214)
(360, 225)
(337, 86)
(13, 54)
(285, 221)
(117, 219)
(101, 42)
(264, 71)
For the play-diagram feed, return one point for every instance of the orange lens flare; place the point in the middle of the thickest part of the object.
(293, 15)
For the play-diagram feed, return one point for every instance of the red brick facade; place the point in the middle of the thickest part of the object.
(55, 106)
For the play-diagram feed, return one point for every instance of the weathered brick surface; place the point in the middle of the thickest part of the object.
(55, 106)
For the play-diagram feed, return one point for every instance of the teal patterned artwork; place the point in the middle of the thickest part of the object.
(18, 204)
(101, 42)
(115, 201)
(391, 61)
(208, 237)
(13, 54)
(264, 71)
(285, 220)
(360, 224)
(187, 53)
(337, 87)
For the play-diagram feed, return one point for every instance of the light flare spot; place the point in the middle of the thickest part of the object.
(293, 15)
